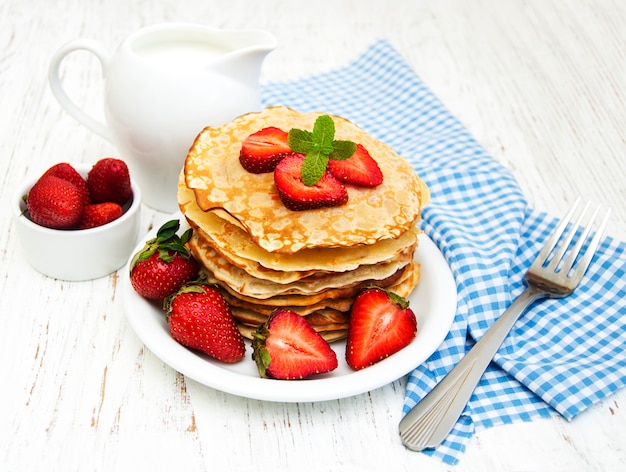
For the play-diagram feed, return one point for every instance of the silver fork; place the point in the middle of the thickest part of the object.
(554, 273)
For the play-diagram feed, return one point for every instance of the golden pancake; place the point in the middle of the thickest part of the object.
(213, 172)
(246, 284)
(330, 336)
(234, 244)
(322, 320)
(401, 283)
(337, 304)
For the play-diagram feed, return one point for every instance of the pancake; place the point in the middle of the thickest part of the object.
(249, 285)
(330, 336)
(213, 172)
(401, 283)
(234, 244)
(264, 256)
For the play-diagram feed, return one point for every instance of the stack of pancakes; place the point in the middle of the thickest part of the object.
(314, 262)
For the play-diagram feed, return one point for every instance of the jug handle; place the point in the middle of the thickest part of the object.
(59, 92)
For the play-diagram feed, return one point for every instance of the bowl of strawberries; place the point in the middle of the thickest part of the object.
(78, 222)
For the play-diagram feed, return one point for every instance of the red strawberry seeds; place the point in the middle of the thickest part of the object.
(55, 203)
(200, 319)
(66, 171)
(100, 214)
(109, 181)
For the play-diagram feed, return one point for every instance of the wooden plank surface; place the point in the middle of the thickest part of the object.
(541, 84)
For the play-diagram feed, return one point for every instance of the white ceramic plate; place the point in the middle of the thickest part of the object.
(433, 301)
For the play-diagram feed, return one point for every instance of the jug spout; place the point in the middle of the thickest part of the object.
(248, 50)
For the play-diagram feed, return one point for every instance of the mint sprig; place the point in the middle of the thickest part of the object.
(319, 146)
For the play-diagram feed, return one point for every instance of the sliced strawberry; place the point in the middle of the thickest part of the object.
(66, 171)
(360, 169)
(381, 323)
(100, 214)
(55, 203)
(263, 150)
(295, 195)
(200, 318)
(287, 347)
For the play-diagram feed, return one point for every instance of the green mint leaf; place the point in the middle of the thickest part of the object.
(324, 133)
(342, 150)
(313, 167)
(300, 140)
(319, 146)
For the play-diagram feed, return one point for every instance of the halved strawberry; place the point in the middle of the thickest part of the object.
(359, 169)
(263, 150)
(295, 195)
(381, 323)
(287, 347)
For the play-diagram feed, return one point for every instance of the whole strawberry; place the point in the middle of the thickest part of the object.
(381, 323)
(100, 214)
(55, 203)
(287, 347)
(109, 181)
(200, 318)
(66, 171)
(164, 264)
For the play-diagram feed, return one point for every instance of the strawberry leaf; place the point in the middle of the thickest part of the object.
(186, 236)
(168, 230)
(398, 299)
(166, 241)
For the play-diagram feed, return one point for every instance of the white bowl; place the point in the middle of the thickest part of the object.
(77, 254)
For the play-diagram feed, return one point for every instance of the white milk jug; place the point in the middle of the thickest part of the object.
(163, 85)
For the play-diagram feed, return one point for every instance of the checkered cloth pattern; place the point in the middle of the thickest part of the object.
(563, 355)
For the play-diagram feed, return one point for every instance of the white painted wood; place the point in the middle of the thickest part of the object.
(541, 84)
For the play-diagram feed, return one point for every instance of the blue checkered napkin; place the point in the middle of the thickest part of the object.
(563, 355)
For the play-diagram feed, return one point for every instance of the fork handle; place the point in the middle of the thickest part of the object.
(430, 421)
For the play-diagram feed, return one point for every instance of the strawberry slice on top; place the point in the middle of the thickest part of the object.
(263, 150)
(297, 196)
(381, 323)
(360, 169)
(287, 347)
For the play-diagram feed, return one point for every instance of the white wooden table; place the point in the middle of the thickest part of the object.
(541, 84)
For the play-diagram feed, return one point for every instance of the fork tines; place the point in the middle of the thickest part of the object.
(558, 246)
